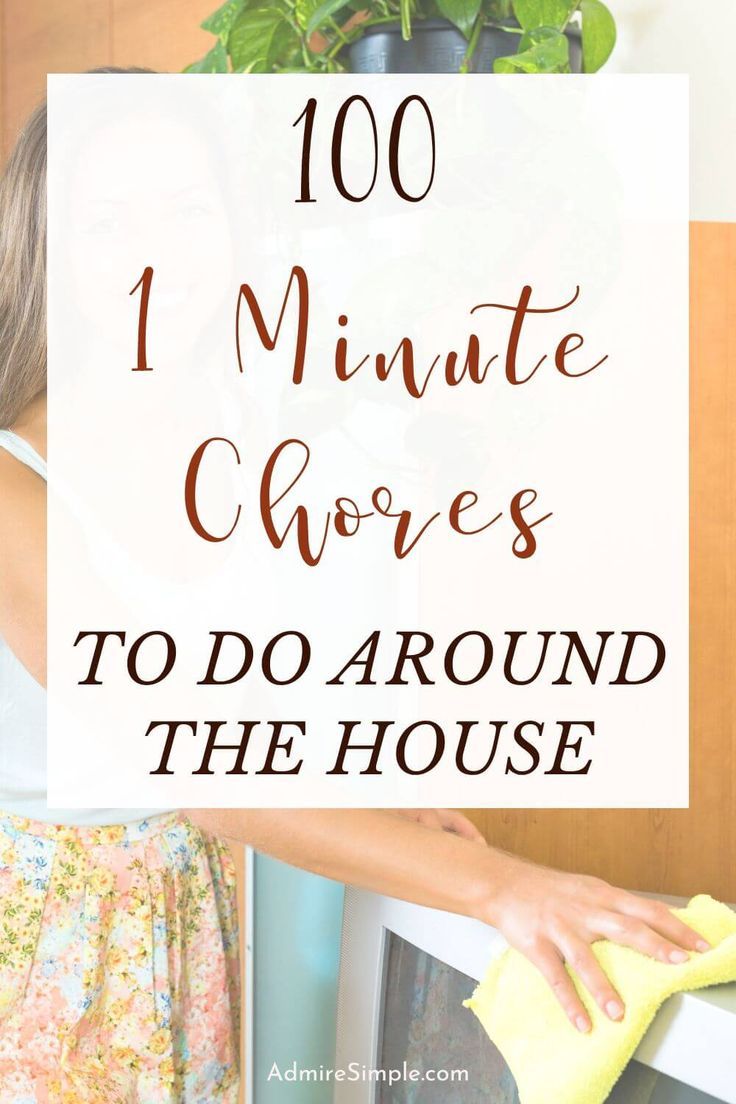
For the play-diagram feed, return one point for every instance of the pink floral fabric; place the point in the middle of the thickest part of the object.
(119, 972)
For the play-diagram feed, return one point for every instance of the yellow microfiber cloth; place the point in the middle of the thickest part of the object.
(555, 1064)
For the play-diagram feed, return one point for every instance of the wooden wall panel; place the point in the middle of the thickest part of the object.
(161, 35)
(41, 37)
(694, 850)
(67, 36)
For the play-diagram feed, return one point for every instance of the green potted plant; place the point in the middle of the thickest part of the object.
(335, 36)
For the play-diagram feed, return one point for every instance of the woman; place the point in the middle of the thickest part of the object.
(118, 947)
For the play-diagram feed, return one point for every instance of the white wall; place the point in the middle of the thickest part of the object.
(680, 36)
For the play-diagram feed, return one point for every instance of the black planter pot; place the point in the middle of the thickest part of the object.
(436, 46)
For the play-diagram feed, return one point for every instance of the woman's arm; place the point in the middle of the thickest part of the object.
(551, 917)
(23, 564)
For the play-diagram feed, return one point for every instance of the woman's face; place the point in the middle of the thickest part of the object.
(164, 209)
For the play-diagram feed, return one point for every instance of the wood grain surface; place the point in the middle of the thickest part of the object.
(68, 36)
(694, 850)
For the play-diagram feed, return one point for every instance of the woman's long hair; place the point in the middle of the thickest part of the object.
(23, 266)
(23, 271)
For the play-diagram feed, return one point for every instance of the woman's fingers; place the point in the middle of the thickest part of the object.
(630, 932)
(547, 959)
(444, 820)
(659, 917)
(428, 818)
(580, 958)
(453, 821)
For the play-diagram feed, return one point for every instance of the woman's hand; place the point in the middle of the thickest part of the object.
(444, 820)
(553, 918)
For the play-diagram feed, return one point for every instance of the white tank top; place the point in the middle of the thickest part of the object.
(23, 721)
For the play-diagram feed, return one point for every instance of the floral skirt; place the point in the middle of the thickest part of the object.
(119, 973)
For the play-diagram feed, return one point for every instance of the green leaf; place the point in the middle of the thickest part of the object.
(543, 13)
(462, 13)
(543, 50)
(599, 34)
(305, 10)
(259, 39)
(324, 12)
(213, 62)
(220, 22)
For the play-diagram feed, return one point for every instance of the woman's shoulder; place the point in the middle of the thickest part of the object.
(22, 507)
(23, 564)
